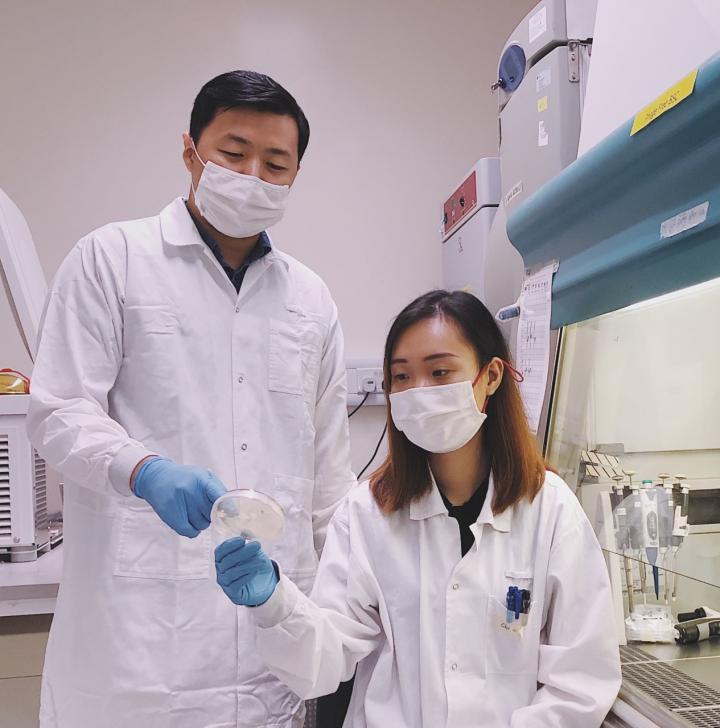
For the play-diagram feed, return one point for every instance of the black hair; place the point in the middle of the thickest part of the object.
(251, 90)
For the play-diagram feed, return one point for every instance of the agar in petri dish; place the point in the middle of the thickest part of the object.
(247, 513)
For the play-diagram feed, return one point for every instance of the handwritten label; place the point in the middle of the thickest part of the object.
(685, 221)
(543, 138)
(538, 24)
(543, 80)
(514, 192)
(666, 101)
(533, 340)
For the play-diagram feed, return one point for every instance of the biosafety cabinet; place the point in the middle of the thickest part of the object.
(633, 401)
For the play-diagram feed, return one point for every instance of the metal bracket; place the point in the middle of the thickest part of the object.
(573, 62)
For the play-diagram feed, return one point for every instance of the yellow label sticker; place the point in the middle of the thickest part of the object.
(666, 101)
(542, 103)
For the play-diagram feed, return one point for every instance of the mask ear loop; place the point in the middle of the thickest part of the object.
(514, 373)
(204, 164)
(197, 154)
(475, 381)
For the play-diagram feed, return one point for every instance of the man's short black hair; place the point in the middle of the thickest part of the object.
(251, 90)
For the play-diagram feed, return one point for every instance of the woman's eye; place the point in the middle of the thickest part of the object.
(441, 372)
(399, 377)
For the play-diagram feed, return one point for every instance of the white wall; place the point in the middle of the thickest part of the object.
(96, 96)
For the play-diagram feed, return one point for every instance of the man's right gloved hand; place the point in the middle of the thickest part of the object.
(182, 496)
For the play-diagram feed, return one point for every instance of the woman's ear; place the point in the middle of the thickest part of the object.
(495, 371)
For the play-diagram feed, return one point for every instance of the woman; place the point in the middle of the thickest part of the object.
(464, 581)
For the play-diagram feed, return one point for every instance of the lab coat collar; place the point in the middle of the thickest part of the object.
(432, 504)
(178, 229)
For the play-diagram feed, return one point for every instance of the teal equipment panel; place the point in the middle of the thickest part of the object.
(614, 218)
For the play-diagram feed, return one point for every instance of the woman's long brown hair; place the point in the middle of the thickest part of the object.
(516, 463)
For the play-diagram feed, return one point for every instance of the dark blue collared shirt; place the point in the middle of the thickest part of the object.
(236, 275)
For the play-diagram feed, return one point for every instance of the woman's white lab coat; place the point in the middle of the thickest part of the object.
(428, 628)
(148, 348)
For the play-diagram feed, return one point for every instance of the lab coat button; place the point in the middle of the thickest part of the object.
(456, 587)
(243, 447)
(453, 667)
(241, 379)
(237, 309)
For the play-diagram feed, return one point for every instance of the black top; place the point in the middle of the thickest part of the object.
(467, 514)
(236, 276)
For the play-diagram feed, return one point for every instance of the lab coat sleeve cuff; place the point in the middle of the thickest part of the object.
(279, 607)
(123, 464)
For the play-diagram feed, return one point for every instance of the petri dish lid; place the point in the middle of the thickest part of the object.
(247, 513)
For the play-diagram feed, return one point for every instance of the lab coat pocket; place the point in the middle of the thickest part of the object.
(285, 370)
(507, 650)
(146, 548)
(295, 551)
(151, 352)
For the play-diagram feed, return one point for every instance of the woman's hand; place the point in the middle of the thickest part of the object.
(244, 572)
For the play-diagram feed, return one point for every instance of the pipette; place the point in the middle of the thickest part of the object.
(623, 536)
(650, 530)
(682, 502)
(666, 513)
(636, 528)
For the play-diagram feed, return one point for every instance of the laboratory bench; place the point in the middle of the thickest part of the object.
(674, 686)
(30, 587)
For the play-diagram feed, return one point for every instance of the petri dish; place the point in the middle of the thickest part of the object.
(247, 513)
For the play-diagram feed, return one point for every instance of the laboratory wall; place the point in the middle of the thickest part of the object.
(96, 95)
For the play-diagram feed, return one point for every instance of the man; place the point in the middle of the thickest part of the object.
(180, 353)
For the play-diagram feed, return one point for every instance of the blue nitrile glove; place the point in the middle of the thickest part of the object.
(181, 495)
(244, 571)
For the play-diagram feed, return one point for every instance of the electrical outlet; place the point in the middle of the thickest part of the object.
(369, 381)
(364, 376)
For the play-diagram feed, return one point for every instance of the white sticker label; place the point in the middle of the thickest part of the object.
(543, 80)
(684, 221)
(538, 24)
(514, 192)
(543, 138)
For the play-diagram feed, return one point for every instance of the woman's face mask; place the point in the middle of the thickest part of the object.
(439, 419)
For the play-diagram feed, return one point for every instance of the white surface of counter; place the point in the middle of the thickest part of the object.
(31, 587)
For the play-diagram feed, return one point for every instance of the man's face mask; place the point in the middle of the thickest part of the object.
(238, 205)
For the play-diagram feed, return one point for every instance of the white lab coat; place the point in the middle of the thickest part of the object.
(426, 627)
(147, 348)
